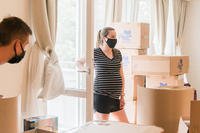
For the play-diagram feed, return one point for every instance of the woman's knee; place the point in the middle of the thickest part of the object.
(100, 116)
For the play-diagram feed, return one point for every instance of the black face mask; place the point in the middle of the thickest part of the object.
(111, 42)
(17, 58)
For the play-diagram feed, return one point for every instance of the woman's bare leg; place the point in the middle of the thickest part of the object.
(100, 116)
(120, 116)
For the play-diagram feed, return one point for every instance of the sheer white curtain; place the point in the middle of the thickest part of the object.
(179, 12)
(113, 12)
(134, 10)
(169, 25)
(43, 77)
(159, 25)
(130, 10)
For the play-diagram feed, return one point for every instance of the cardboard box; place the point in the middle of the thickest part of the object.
(156, 81)
(127, 55)
(138, 81)
(133, 52)
(131, 85)
(160, 65)
(49, 123)
(132, 35)
(10, 115)
(194, 117)
(164, 107)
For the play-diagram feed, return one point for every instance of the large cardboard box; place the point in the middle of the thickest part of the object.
(156, 81)
(132, 35)
(160, 65)
(164, 107)
(10, 115)
(127, 56)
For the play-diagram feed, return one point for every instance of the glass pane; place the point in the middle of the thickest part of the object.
(70, 44)
(70, 111)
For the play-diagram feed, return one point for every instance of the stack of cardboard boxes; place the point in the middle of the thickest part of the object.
(133, 39)
(163, 74)
(161, 71)
(143, 70)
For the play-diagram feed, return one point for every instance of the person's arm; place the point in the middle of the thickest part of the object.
(123, 80)
(122, 102)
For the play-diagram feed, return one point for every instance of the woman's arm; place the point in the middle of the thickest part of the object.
(122, 102)
(123, 80)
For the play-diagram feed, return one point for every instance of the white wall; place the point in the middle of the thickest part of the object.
(191, 42)
(11, 75)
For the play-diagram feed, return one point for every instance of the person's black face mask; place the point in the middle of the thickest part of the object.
(111, 42)
(17, 58)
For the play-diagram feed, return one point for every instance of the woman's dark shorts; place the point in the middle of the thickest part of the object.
(105, 104)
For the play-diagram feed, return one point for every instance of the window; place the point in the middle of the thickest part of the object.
(70, 40)
(71, 45)
(69, 110)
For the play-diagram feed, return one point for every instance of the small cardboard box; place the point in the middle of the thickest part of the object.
(160, 65)
(127, 55)
(154, 81)
(131, 84)
(138, 81)
(132, 52)
(132, 35)
(49, 123)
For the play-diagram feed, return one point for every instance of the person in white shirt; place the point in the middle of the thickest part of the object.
(14, 36)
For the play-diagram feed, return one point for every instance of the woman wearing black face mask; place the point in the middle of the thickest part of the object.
(109, 78)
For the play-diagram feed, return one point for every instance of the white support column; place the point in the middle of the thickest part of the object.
(89, 57)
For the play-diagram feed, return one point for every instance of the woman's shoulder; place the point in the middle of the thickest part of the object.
(96, 49)
(117, 50)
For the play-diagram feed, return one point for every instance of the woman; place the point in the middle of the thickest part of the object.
(109, 78)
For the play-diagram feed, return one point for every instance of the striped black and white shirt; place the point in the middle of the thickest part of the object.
(107, 73)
